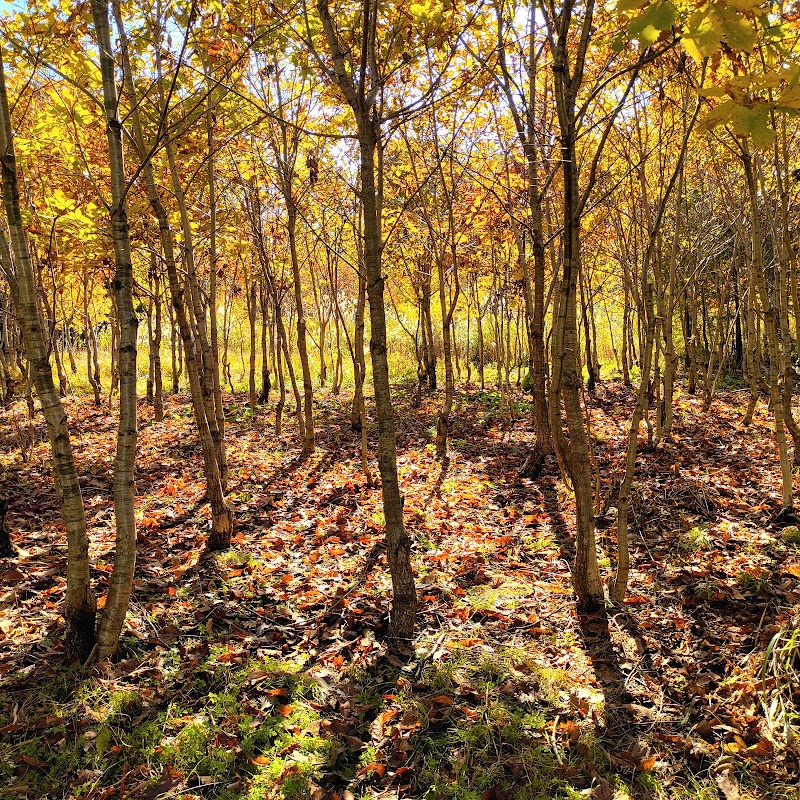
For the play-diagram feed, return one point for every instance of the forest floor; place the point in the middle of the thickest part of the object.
(263, 672)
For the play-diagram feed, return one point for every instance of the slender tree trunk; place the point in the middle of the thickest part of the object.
(150, 384)
(115, 344)
(281, 381)
(618, 585)
(587, 335)
(362, 102)
(771, 322)
(92, 361)
(283, 341)
(221, 517)
(308, 444)
(359, 360)
(443, 419)
(670, 355)
(80, 604)
(479, 311)
(250, 292)
(339, 361)
(207, 356)
(158, 395)
(467, 343)
(121, 581)
(266, 382)
(398, 543)
(8, 381)
(566, 381)
(213, 364)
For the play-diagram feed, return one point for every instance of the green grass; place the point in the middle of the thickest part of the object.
(696, 539)
(209, 734)
(507, 595)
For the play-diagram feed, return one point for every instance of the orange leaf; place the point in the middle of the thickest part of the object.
(378, 769)
(555, 588)
(442, 700)
(34, 762)
(762, 748)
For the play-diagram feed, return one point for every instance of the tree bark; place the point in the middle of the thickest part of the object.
(565, 385)
(80, 604)
(113, 615)
(221, 517)
(362, 103)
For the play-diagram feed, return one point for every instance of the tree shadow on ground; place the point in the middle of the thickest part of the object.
(596, 636)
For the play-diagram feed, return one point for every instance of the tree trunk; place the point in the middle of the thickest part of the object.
(92, 360)
(207, 357)
(281, 381)
(266, 382)
(771, 322)
(566, 381)
(221, 518)
(214, 367)
(398, 544)
(250, 293)
(174, 341)
(308, 443)
(359, 360)
(121, 580)
(80, 605)
(158, 395)
(771, 325)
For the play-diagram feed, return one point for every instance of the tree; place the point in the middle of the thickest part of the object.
(202, 398)
(121, 580)
(80, 605)
(354, 70)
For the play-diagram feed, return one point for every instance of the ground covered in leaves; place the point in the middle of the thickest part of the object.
(263, 672)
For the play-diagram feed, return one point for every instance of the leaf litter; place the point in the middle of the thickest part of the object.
(264, 671)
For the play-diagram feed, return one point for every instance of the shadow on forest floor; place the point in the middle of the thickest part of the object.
(264, 672)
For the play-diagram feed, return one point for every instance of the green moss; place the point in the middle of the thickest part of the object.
(791, 535)
(505, 596)
(552, 682)
(696, 539)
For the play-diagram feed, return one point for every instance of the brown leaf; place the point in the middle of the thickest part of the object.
(603, 790)
(727, 783)
(170, 778)
(442, 700)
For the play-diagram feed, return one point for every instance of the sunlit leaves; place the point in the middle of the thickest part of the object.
(728, 33)
(703, 35)
(648, 25)
(753, 122)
